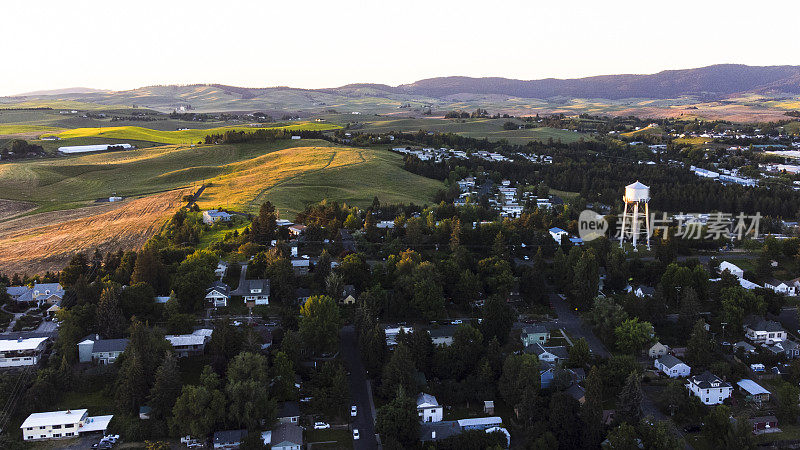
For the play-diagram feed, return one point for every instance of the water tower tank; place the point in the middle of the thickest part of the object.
(637, 192)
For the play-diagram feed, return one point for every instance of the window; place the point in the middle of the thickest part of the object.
(56, 434)
(69, 425)
(69, 434)
(55, 427)
(41, 428)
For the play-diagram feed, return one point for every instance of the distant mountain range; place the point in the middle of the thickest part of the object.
(712, 83)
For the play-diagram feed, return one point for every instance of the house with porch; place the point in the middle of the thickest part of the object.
(22, 351)
(218, 294)
(62, 424)
(761, 331)
(709, 388)
(672, 366)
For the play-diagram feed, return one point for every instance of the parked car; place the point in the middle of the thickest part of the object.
(353, 411)
(457, 322)
(355, 434)
(237, 323)
(321, 425)
(306, 399)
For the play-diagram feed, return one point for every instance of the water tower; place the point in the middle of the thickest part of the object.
(636, 194)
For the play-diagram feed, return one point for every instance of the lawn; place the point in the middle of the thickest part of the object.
(330, 438)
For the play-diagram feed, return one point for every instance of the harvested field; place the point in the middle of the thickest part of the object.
(11, 208)
(46, 241)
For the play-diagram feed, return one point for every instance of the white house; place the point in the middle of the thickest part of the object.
(254, 292)
(62, 424)
(762, 331)
(548, 354)
(732, 268)
(709, 388)
(189, 344)
(428, 408)
(218, 294)
(781, 287)
(213, 215)
(21, 352)
(102, 351)
(672, 366)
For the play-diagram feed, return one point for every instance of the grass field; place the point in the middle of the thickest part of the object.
(491, 129)
(291, 174)
(178, 137)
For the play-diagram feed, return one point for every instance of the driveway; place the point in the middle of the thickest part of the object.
(360, 390)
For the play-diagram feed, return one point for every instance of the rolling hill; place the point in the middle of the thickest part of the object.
(239, 177)
(734, 92)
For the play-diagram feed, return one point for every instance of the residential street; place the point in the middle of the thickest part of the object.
(360, 390)
(569, 320)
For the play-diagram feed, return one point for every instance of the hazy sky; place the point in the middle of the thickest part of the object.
(123, 45)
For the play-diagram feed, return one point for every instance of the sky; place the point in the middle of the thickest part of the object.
(316, 44)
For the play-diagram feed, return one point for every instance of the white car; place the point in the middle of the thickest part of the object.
(353, 411)
(236, 323)
(321, 425)
(457, 322)
(355, 434)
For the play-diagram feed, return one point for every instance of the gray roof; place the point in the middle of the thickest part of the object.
(705, 379)
(669, 361)
(426, 398)
(443, 430)
(287, 432)
(109, 345)
(534, 329)
(761, 324)
(576, 391)
(288, 409)
(742, 344)
(647, 290)
(222, 437)
(219, 286)
(247, 285)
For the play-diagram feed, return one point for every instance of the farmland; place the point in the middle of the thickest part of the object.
(180, 136)
(67, 218)
(46, 241)
(491, 129)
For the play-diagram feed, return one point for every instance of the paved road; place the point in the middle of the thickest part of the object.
(569, 320)
(360, 390)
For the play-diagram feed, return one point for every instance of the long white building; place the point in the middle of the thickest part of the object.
(62, 424)
(21, 352)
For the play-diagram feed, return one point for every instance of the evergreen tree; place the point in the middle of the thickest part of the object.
(110, 321)
(166, 389)
(629, 405)
(699, 349)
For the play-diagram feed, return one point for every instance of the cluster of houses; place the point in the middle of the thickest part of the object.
(724, 176)
(38, 295)
(505, 198)
(788, 288)
(713, 390)
(434, 154)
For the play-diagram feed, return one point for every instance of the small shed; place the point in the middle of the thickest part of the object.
(488, 407)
